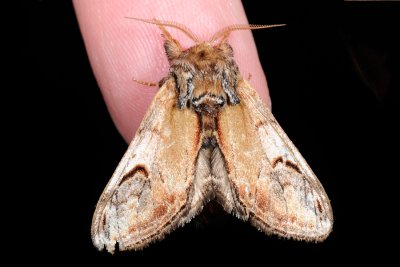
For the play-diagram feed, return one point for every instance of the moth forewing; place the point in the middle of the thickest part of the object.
(148, 194)
(208, 136)
(272, 180)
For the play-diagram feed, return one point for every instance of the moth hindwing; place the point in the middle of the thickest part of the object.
(208, 136)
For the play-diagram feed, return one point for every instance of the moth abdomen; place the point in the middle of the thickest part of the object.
(209, 142)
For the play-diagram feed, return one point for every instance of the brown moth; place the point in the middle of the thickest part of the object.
(208, 136)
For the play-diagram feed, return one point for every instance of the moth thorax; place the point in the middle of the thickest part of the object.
(208, 103)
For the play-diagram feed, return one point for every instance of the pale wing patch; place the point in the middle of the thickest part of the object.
(150, 192)
(274, 185)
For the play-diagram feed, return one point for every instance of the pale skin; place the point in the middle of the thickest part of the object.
(120, 49)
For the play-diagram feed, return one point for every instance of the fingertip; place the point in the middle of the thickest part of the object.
(120, 49)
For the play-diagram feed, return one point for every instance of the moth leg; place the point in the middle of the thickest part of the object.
(152, 84)
(249, 76)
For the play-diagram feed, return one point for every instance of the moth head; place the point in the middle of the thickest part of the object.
(205, 75)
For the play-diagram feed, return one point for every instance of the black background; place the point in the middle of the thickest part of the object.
(340, 116)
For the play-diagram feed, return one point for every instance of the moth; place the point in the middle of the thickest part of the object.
(208, 136)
